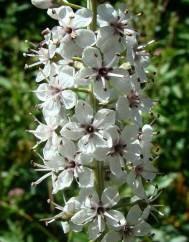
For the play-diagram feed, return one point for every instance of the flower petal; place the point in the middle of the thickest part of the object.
(83, 112)
(92, 57)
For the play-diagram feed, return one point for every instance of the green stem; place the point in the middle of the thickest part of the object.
(62, 2)
(81, 90)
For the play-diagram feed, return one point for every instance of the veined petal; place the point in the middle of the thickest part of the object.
(115, 165)
(67, 149)
(87, 144)
(104, 118)
(106, 13)
(72, 131)
(122, 107)
(42, 91)
(86, 178)
(135, 182)
(83, 216)
(142, 229)
(69, 99)
(112, 236)
(64, 15)
(129, 133)
(66, 77)
(83, 18)
(64, 179)
(134, 215)
(96, 228)
(92, 57)
(83, 112)
(107, 41)
(110, 197)
(85, 38)
(102, 94)
(114, 218)
(70, 49)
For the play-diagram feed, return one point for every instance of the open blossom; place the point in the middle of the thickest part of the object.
(130, 228)
(114, 28)
(103, 71)
(90, 129)
(56, 94)
(91, 71)
(74, 37)
(96, 210)
(125, 148)
(131, 105)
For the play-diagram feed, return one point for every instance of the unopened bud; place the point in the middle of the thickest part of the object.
(44, 4)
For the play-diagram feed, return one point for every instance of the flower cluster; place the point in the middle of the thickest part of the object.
(91, 75)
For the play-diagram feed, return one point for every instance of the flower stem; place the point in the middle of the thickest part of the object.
(99, 165)
(62, 2)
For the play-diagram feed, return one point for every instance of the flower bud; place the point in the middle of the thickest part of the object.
(44, 4)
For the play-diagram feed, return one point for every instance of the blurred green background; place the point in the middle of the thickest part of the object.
(21, 206)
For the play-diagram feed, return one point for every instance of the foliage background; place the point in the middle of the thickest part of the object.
(21, 206)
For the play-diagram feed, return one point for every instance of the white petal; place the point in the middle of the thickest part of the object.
(110, 197)
(64, 14)
(122, 107)
(84, 73)
(134, 215)
(114, 218)
(136, 184)
(87, 144)
(142, 229)
(69, 99)
(129, 133)
(83, 18)
(95, 229)
(86, 178)
(150, 171)
(92, 57)
(64, 179)
(83, 216)
(67, 149)
(85, 38)
(83, 112)
(107, 13)
(115, 165)
(107, 41)
(70, 49)
(112, 236)
(103, 95)
(104, 118)
(66, 77)
(72, 131)
(42, 91)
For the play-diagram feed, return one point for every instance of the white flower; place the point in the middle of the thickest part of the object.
(74, 37)
(131, 105)
(138, 57)
(132, 227)
(98, 211)
(44, 53)
(56, 94)
(142, 169)
(114, 29)
(90, 129)
(125, 148)
(102, 69)
(44, 4)
(145, 137)
(47, 132)
(74, 165)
